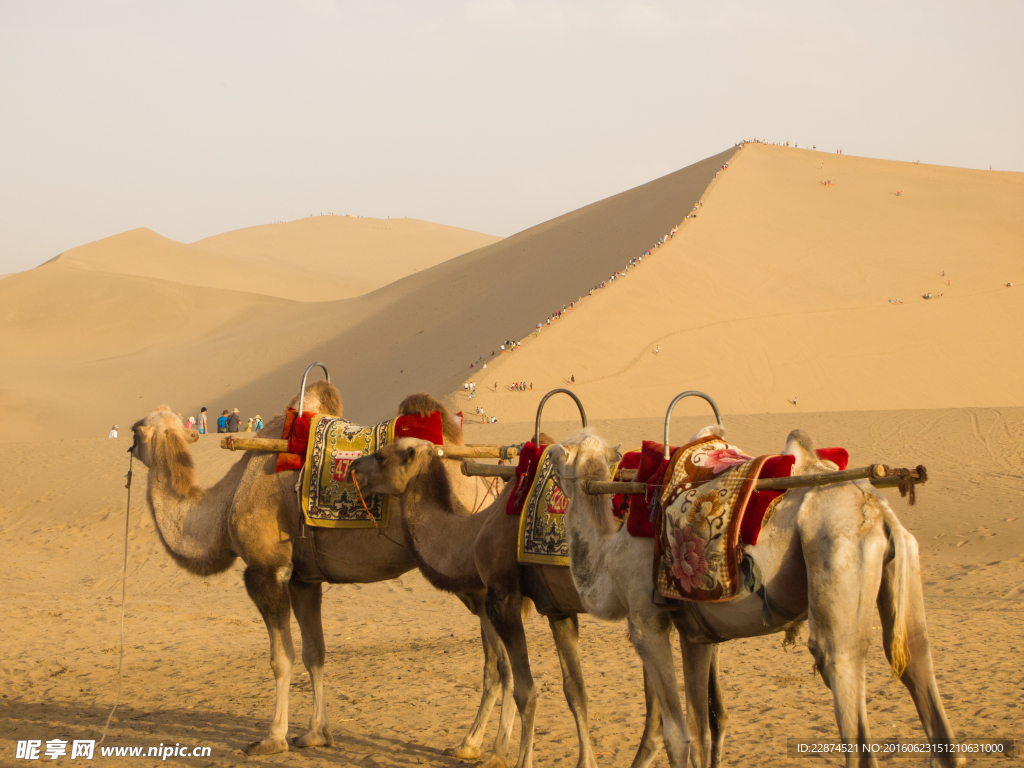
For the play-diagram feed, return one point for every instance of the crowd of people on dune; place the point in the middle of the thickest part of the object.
(227, 422)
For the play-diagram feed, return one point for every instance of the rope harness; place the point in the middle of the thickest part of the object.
(124, 587)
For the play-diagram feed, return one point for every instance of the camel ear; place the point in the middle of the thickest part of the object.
(144, 433)
(191, 435)
(616, 453)
(410, 453)
(800, 446)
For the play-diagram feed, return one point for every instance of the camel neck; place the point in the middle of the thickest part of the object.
(192, 521)
(439, 537)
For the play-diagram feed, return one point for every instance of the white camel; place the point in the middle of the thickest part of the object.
(830, 554)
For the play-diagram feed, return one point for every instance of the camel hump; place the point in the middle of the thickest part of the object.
(800, 445)
(321, 397)
(422, 404)
(715, 430)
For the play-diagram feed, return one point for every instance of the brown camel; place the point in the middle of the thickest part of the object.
(253, 513)
(478, 554)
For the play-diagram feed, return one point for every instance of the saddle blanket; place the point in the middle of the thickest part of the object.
(539, 499)
(707, 511)
(328, 500)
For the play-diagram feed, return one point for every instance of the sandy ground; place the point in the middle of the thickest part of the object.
(403, 660)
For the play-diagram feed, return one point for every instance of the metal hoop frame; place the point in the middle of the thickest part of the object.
(302, 388)
(540, 410)
(689, 393)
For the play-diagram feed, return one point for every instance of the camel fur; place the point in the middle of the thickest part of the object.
(253, 513)
(478, 553)
(829, 554)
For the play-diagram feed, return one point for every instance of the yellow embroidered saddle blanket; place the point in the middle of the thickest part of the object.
(328, 500)
(542, 537)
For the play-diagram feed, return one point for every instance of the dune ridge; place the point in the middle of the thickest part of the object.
(319, 258)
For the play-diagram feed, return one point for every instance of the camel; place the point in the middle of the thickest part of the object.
(253, 513)
(478, 554)
(828, 555)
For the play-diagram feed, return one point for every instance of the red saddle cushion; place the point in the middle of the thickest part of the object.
(651, 470)
(526, 470)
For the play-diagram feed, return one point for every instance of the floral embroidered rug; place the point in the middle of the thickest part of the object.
(708, 484)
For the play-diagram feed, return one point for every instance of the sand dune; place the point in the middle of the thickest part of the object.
(780, 290)
(127, 341)
(314, 259)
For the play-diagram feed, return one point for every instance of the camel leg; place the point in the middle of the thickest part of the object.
(649, 632)
(505, 614)
(566, 632)
(719, 715)
(919, 676)
(843, 579)
(704, 709)
(306, 602)
(497, 677)
(508, 707)
(651, 741)
(268, 588)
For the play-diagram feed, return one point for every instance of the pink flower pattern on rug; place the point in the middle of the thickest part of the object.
(688, 562)
(724, 458)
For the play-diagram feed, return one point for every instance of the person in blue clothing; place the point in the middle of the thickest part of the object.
(222, 422)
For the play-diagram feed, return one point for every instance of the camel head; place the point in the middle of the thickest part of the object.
(800, 446)
(161, 438)
(584, 456)
(391, 469)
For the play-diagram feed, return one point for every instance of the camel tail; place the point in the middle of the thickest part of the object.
(899, 656)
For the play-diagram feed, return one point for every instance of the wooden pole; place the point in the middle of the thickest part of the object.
(449, 451)
(472, 469)
(477, 451)
(254, 444)
(873, 472)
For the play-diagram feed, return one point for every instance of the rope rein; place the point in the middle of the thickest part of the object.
(124, 587)
(369, 514)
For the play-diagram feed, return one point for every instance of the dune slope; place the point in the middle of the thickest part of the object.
(780, 290)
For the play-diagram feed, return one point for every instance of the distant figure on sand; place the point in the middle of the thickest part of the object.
(793, 401)
(201, 421)
(257, 423)
(657, 349)
(233, 421)
(222, 422)
(113, 431)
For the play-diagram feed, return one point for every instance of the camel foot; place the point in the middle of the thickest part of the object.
(490, 761)
(268, 746)
(462, 752)
(319, 737)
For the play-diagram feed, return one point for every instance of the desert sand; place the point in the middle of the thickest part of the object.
(779, 289)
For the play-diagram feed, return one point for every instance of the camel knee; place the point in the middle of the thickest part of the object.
(267, 591)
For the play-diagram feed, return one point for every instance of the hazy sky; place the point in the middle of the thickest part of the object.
(194, 118)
